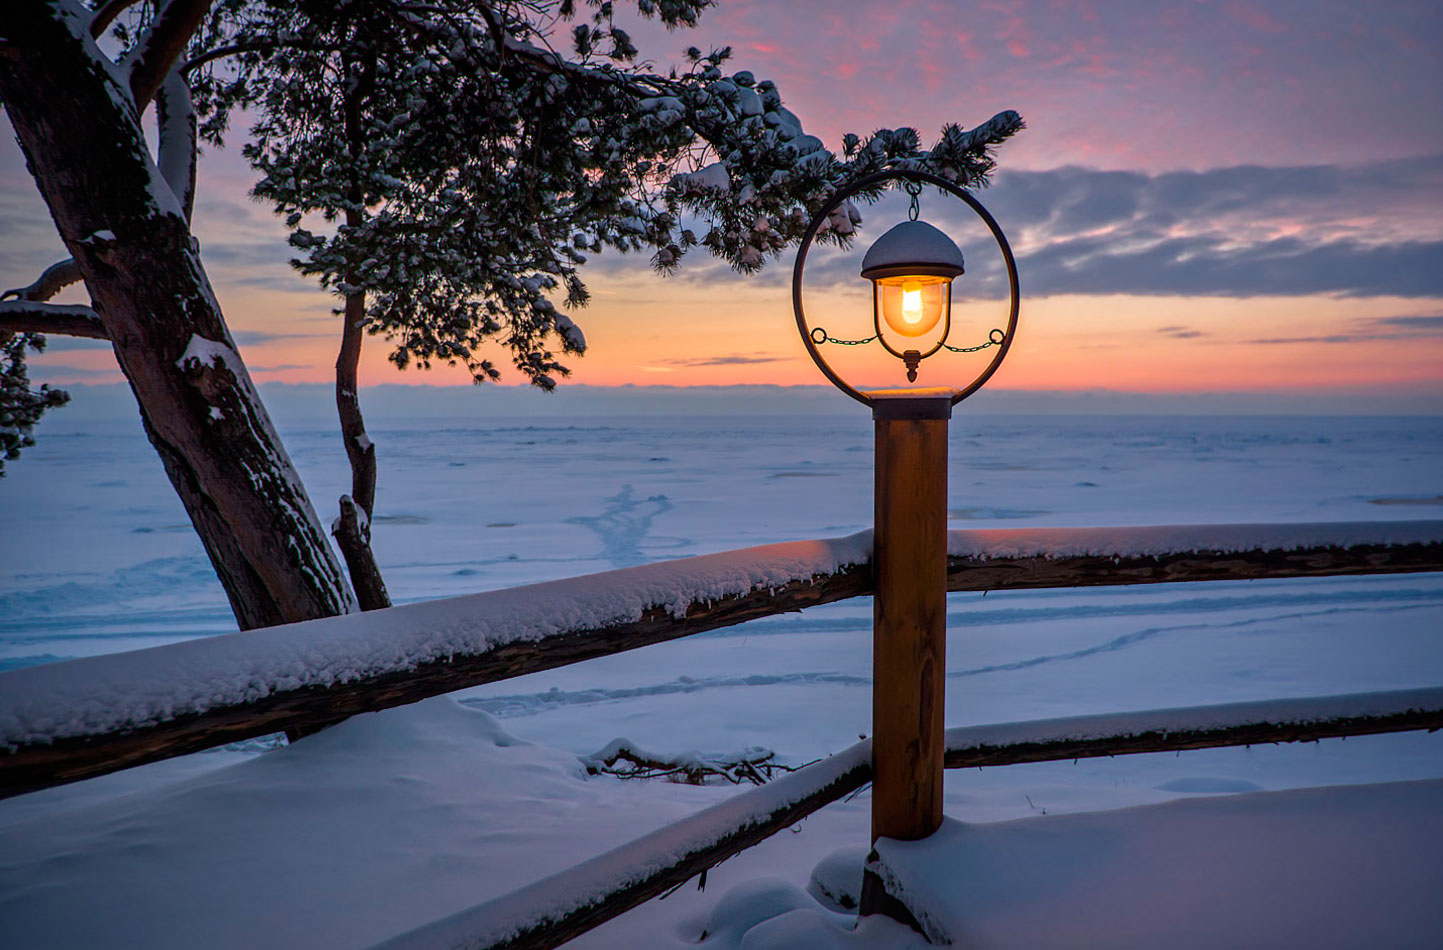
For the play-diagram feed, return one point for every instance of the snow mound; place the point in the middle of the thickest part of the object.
(372, 827)
(772, 914)
(1342, 867)
(836, 881)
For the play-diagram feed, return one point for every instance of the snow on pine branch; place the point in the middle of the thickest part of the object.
(29, 316)
(20, 406)
(177, 139)
(465, 163)
(51, 281)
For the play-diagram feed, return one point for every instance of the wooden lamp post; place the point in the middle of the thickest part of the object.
(911, 267)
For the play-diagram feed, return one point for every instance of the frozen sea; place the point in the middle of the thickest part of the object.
(97, 556)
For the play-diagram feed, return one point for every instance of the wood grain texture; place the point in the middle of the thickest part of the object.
(1030, 573)
(909, 641)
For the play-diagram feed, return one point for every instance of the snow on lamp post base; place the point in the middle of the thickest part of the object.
(911, 268)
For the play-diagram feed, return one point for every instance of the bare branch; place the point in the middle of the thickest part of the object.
(156, 53)
(56, 278)
(625, 760)
(222, 51)
(31, 316)
(352, 531)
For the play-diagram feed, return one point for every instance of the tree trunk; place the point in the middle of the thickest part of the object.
(352, 529)
(82, 139)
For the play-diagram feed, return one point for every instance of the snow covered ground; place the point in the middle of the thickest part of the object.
(391, 820)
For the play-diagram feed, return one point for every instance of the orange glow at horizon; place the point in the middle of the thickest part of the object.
(678, 334)
(664, 332)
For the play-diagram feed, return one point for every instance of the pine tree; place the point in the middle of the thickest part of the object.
(442, 169)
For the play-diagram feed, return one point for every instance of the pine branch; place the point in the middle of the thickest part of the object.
(30, 316)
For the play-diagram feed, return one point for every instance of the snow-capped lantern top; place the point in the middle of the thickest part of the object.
(913, 247)
(912, 267)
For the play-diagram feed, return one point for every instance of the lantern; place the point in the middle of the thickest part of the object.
(911, 268)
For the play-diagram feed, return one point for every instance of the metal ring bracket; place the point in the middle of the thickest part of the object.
(913, 178)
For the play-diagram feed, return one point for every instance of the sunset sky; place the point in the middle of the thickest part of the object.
(1209, 196)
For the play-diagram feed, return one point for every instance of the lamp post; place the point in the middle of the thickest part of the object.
(911, 268)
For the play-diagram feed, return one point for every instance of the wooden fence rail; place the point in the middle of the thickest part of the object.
(558, 908)
(67, 721)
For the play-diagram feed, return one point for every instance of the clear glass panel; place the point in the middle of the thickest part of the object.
(912, 305)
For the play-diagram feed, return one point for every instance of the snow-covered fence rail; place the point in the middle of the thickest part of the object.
(1030, 558)
(551, 911)
(67, 721)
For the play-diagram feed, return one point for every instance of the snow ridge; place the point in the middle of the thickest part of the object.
(1305, 711)
(1159, 540)
(143, 687)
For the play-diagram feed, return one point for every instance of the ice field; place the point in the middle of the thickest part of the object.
(97, 557)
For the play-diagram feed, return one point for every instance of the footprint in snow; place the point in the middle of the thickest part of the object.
(624, 525)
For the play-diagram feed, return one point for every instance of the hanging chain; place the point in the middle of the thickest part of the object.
(913, 188)
(994, 338)
(819, 336)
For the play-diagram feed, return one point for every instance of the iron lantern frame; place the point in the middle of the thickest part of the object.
(871, 181)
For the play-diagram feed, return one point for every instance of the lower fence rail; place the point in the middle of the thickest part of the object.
(556, 909)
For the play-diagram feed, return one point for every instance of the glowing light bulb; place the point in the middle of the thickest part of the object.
(912, 305)
(912, 302)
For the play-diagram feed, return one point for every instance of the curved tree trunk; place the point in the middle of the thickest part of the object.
(352, 529)
(81, 134)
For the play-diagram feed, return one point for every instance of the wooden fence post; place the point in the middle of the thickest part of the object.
(909, 614)
(909, 635)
